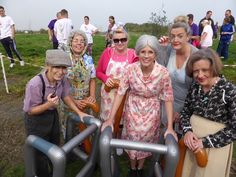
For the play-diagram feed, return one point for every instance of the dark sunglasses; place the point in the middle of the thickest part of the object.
(122, 40)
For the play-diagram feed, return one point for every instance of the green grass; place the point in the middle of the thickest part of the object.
(33, 48)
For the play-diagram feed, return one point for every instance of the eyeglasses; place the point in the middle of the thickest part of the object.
(78, 41)
(122, 40)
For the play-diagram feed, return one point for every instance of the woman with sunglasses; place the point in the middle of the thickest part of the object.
(209, 116)
(174, 54)
(111, 66)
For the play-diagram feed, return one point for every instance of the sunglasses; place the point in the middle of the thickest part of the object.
(122, 40)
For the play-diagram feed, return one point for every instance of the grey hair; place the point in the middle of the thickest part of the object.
(77, 33)
(183, 25)
(147, 40)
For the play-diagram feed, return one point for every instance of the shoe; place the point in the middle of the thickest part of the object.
(11, 65)
(132, 173)
(119, 151)
(139, 172)
(22, 63)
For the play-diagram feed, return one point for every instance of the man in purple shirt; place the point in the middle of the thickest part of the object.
(51, 34)
(194, 31)
(42, 96)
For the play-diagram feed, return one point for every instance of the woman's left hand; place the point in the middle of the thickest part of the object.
(172, 132)
(198, 145)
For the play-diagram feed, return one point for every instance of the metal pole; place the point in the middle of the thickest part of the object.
(4, 74)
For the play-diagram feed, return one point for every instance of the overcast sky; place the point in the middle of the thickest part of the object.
(36, 14)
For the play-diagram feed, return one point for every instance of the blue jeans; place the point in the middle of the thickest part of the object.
(223, 49)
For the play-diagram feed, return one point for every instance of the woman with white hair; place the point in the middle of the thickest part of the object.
(206, 39)
(148, 83)
(81, 74)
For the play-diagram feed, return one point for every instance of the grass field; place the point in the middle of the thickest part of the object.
(33, 47)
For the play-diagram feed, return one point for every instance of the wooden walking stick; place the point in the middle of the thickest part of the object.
(82, 126)
(201, 158)
(121, 107)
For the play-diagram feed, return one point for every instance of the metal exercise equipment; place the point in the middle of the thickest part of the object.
(110, 168)
(57, 155)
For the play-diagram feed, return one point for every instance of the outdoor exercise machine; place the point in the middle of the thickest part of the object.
(109, 164)
(58, 155)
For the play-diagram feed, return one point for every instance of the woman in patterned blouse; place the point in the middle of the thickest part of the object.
(209, 116)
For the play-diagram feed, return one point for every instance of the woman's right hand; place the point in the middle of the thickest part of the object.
(107, 123)
(53, 101)
(164, 40)
(81, 104)
(190, 140)
(109, 82)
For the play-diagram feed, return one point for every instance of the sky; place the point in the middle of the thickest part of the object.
(36, 14)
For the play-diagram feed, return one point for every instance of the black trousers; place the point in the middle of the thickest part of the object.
(10, 45)
(46, 126)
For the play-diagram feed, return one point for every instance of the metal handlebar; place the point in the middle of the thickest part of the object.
(109, 168)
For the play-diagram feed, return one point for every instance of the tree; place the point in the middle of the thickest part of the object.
(159, 23)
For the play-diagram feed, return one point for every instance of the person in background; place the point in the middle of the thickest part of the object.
(211, 22)
(232, 21)
(209, 116)
(90, 31)
(51, 34)
(111, 28)
(226, 32)
(111, 66)
(7, 37)
(194, 31)
(206, 39)
(62, 29)
(42, 95)
(174, 54)
(148, 83)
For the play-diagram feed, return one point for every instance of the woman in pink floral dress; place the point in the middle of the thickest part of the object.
(148, 83)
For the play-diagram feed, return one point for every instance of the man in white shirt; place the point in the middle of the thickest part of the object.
(7, 37)
(62, 29)
(89, 30)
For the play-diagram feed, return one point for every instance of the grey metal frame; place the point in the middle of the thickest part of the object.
(109, 166)
(57, 155)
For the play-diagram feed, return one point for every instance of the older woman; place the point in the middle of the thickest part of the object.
(209, 116)
(111, 66)
(82, 73)
(148, 83)
(174, 56)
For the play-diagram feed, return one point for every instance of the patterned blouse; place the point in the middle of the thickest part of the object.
(219, 105)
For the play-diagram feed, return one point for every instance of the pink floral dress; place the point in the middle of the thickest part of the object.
(115, 70)
(142, 110)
